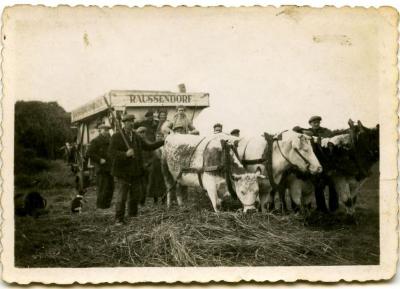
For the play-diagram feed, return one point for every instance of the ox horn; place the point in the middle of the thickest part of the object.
(360, 125)
(351, 123)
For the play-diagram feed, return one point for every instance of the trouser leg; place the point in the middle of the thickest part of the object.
(135, 195)
(122, 189)
(333, 196)
(99, 191)
(105, 189)
(145, 181)
(319, 195)
(108, 190)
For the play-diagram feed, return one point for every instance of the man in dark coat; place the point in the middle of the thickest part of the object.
(147, 160)
(127, 167)
(315, 128)
(150, 124)
(323, 180)
(98, 154)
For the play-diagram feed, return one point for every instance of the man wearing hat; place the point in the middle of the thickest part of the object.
(147, 160)
(235, 132)
(128, 168)
(150, 124)
(323, 180)
(217, 128)
(98, 154)
(315, 128)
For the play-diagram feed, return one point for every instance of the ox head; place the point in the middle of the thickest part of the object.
(245, 184)
(301, 154)
(365, 142)
(247, 189)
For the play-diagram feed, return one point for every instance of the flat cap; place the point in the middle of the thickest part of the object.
(235, 131)
(314, 118)
(149, 113)
(217, 125)
(127, 117)
(104, 126)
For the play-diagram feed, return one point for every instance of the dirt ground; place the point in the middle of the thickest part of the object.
(195, 235)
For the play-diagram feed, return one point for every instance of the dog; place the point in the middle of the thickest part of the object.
(77, 204)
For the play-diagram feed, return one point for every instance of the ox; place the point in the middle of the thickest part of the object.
(272, 157)
(209, 163)
(347, 159)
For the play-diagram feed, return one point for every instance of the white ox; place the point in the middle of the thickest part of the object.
(293, 150)
(189, 160)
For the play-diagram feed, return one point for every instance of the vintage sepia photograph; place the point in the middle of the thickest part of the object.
(198, 144)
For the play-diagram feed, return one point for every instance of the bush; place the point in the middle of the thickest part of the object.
(44, 174)
(24, 181)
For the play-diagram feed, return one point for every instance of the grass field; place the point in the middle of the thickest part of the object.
(194, 235)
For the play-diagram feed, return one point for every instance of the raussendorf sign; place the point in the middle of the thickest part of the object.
(128, 98)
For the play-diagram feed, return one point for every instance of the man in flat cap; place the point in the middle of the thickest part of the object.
(98, 154)
(128, 168)
(315, 128)
(323, 180)
(217, 128)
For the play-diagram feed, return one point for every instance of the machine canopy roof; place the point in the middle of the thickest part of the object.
(140, 98)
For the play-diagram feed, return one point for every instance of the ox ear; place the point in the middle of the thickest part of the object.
(351, 123)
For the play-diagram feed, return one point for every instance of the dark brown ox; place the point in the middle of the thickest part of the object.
(347, 159)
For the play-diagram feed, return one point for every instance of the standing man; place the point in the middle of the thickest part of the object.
(98, 154)
(156, 187)
(128, 168)
(323, 180)
(217, 128)
(147, 160)
(315, 128)
(150, 124)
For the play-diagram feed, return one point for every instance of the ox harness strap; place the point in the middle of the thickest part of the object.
(268, 164)
(199, 172)
(266, 158)
(251, 162)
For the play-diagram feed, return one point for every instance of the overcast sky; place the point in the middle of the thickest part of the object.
(265, 69)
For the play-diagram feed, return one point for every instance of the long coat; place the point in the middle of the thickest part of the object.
(156, 187)
(129, 167)
(98, 149)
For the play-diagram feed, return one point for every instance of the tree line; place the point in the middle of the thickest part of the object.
(41, 129)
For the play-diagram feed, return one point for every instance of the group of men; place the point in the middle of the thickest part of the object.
(218, 129)
(130, 160)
